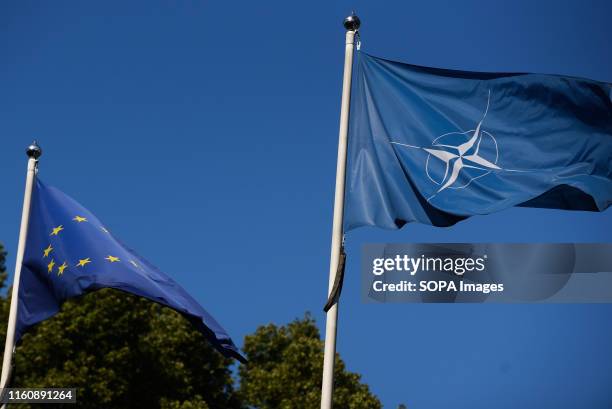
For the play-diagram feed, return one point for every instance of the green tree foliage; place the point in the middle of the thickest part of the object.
(122, 351)
(4, 305)
(284, 371)
(194, 403)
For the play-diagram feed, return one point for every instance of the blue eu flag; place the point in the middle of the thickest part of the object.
(437, 146)
(69, 252)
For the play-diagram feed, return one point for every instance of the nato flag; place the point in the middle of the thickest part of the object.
(436, 146)
(69, 252)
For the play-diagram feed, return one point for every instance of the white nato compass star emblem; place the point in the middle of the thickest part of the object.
(456, 159)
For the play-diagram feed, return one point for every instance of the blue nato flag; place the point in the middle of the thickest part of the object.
(437, 146)
(69, 252)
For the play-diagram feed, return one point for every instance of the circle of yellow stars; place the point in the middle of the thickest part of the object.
(47, 252)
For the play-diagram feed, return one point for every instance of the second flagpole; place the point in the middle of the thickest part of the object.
(351, 24)
(33, 153)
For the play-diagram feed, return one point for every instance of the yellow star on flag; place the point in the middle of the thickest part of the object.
(47, 251)
(79, 219)
(112, 259)
(56, 230)
(60, 269)
(50, 266)
(82, 262)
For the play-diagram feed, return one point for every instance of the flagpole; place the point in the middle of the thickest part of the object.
(33, 153)
(351, 24)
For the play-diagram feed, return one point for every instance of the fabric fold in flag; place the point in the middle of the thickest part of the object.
(69, 252)
(437, 146)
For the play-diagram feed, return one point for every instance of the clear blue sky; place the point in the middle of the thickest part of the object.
(204, 134)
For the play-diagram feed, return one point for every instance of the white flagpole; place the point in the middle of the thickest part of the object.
(351, 23)
(33, 153)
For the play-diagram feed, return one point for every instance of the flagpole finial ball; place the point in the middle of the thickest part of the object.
(352, 22)
(34, 151)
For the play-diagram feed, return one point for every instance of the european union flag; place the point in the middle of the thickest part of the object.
(436, 146)
(69, 252)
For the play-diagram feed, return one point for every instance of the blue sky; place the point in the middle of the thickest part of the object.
(205, 134)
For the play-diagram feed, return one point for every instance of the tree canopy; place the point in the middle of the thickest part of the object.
(4, 305)
(122, 351)
(285, 366)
